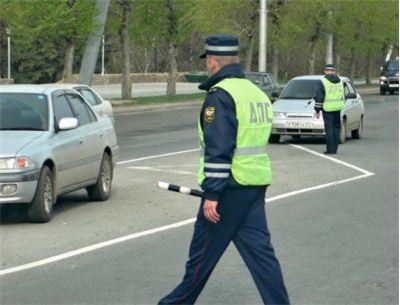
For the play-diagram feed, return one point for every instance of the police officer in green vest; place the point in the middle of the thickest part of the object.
(330, 99)
(234, 127)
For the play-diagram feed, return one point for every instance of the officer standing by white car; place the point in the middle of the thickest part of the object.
(330, 99)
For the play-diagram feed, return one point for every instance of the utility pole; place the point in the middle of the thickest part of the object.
(329, 45)
(102, 56)
(262, 53)
(93, 44)
(8, 53)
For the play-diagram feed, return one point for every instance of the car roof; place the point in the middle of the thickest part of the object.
(257, 73)
(316, 77)
(39, 89)
(62, 85)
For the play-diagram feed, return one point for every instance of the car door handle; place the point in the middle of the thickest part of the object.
(81, 141)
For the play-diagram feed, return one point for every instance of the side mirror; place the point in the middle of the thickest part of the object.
(68, 124)
(275, 94)
(351, 96)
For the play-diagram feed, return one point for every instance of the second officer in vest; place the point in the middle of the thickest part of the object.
(330, 99)
(234, 172)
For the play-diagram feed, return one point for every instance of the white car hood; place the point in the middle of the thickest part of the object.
(293, 106)
(12, 141)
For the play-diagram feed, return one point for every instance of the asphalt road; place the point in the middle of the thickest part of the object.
(334, 222)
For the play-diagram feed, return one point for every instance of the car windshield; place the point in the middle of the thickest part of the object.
(23, 111)
(300, 89)
(393, 65)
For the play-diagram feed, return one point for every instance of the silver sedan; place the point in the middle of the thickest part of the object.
(52, 142)
(294, 113)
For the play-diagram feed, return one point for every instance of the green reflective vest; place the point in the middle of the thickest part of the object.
(250, 164)
(334, 96)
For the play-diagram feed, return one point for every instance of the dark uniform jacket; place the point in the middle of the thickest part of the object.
(320, 95)
(220, 132)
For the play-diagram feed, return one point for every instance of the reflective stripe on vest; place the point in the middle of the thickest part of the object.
(250, 163)
(334, 96)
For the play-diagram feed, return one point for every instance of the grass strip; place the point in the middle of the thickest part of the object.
(163, 99)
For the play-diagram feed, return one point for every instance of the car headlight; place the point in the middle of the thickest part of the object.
(16, 163)
(279, 115)
(383, 78)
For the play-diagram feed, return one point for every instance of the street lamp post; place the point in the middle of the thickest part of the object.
(102, 57)
(262, 53)
(9, 53)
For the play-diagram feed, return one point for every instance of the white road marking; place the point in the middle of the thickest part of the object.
(158, 156)
(94, 247)
(97, 246)
(154, 169)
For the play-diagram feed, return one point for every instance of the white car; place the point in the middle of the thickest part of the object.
(294, 113)
(52, 142)
(101, 106)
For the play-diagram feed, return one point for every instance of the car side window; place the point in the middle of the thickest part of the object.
(89, 96)
(81, 109)
(350, 87)
(62, 109)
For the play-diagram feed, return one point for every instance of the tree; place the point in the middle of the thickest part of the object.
(45, 34)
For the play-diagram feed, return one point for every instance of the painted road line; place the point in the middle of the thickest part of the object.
(97, 246)
(333, 159)
(94, 247)
(158, 156)
(154, 169)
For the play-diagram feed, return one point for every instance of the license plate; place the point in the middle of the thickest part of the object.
(394, 85)
(298, 125)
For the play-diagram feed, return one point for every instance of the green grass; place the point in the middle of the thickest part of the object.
(147, 100)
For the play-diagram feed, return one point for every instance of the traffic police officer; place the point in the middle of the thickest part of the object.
(330, 99)
(234, 127)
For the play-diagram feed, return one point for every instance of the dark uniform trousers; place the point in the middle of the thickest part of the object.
(243, 221)
(332, 130)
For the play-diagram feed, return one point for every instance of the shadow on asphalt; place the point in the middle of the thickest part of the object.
(16, 213)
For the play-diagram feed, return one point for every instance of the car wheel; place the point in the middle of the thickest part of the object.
(343, 132)
(383, 91)
(102, 189)
(274, 138)
(357, 134)
(391, 92)
(41, 207)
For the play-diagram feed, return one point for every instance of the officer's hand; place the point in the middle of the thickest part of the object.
(210, 210)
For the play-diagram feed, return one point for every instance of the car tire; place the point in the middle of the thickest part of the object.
(382, 91)
(357, 133)
(102, 189)
(41, 207)
(343, 132)
(391, 92)
(274, 138)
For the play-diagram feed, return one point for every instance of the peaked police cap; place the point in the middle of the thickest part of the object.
(221, 45)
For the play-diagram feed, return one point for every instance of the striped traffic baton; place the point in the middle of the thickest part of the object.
(179, 189)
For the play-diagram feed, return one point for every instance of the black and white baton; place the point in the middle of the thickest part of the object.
(179, 189)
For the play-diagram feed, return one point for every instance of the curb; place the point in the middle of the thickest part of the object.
(138, 108)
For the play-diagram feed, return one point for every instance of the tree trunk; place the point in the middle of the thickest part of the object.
(275, 61)
(311, 58)
(368, 69)
(172, 70)
(172, 36)
(353, 63)
(249, 52)
(69, 61)
(126, 78)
